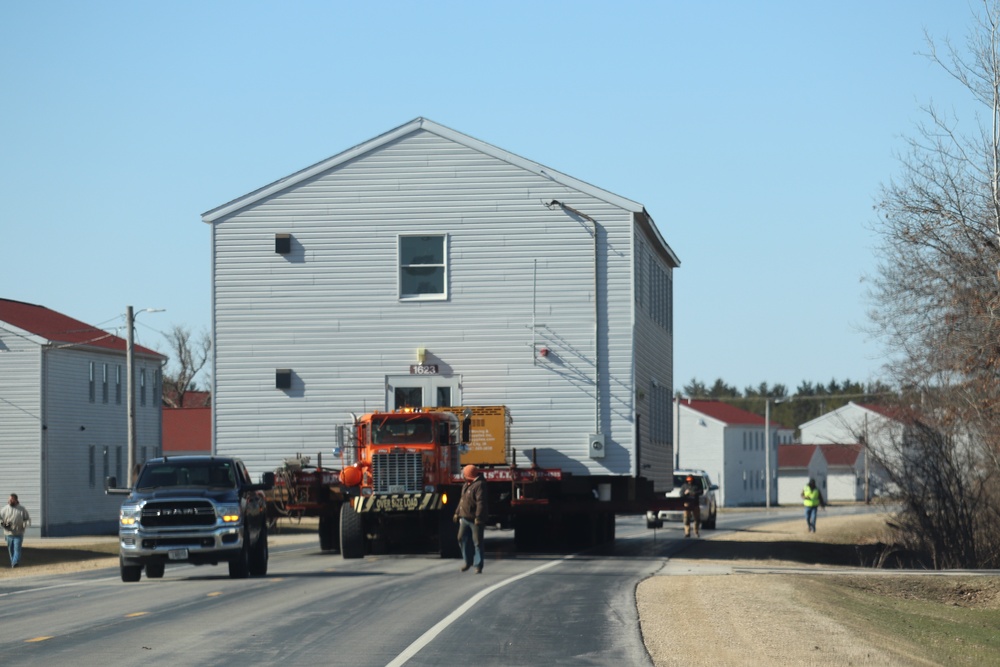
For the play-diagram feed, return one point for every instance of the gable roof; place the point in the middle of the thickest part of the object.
(63, 331)
(423, 124)
(725, 412)
(795, 456)
(841, 455)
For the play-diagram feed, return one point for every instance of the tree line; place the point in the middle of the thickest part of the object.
(808, 401)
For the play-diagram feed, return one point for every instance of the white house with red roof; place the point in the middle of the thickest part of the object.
(63, 410)
(729, 443)
(797, 464)
(848, 427)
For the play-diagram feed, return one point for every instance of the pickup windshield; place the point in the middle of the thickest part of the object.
(214, 474)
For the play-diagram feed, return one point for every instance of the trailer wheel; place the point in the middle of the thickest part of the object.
(155, 570)
(448, 536)
(130, 573)
(329, 532)
(352, 536)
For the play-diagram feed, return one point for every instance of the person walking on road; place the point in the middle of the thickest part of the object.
(471, 518)
(691, 492)
(812, 499)
(14, 519)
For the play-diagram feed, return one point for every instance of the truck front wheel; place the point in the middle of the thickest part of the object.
(258, 555)
(239, 566)
(130, 573)
(352, 535)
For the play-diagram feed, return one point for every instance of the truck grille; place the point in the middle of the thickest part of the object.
(398, 472)
(178, 514)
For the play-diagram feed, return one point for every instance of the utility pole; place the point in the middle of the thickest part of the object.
(130, 373)
(130, 400)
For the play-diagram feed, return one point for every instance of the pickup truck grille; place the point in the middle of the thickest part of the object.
(178, 514)
(398, 472)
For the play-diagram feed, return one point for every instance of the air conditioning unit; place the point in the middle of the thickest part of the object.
(596, 445)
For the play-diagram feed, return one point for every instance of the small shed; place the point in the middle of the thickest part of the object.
(845, 472)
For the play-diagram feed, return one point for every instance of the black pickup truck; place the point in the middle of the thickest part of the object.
(202, 510)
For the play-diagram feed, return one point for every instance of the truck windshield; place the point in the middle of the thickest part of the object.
(214, 474)
(412, 431)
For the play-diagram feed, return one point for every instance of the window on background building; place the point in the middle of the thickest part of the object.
(92, 380)
(104, 384)
(92, 465)
(118, 384)
(423, 270)
(142, 386)
(107, 463)
(118, 462)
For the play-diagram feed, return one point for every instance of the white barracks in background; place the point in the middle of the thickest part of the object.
(729, 443)
(426, 267)
(63, 419)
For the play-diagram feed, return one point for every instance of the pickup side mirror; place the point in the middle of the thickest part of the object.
(466, 426)
(111, 487)
(267, 479)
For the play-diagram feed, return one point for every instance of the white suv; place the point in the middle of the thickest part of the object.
(708, 506)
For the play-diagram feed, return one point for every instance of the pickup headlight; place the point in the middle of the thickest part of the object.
(229, 513)
(130, 515)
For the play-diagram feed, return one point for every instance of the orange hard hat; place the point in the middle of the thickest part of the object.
(469, 472)
(690, 478)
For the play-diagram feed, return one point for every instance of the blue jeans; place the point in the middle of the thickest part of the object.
(14, 548)
(470, 541)
(811, 518)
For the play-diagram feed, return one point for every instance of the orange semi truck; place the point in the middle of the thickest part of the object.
(398, 479)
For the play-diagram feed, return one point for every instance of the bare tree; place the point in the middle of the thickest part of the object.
(936, 301)
(188, 357)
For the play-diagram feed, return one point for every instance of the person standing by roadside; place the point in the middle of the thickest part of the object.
(14, 519)
(471, 518)
(812, 499)
(691, 492)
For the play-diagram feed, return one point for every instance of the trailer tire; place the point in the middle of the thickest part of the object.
(130, 573)
(448, 537)
(329, 532)
(352, 536)
(155, 570)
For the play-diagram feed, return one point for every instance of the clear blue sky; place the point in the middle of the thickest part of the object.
(757, 135)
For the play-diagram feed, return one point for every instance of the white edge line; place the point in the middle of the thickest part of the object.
(429, 636)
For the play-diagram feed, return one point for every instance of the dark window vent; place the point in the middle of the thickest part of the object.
(282, 243)
(283, 378)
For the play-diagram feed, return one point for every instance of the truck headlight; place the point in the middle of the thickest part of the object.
(130, 515)
(229, 513)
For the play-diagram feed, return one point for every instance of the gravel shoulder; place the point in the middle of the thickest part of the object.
(718, 598)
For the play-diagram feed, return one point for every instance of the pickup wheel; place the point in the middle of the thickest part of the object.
(130, 573)
(710, 524)
(352, 535)
(259, 554)
(239, 566)
(155, 570)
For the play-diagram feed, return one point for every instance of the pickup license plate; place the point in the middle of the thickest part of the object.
(177, 554)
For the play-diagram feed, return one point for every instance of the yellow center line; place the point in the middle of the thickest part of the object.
(136, 613)
(214, 594)
(38, 639)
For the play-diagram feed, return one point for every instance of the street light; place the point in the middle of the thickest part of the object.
(130, 399)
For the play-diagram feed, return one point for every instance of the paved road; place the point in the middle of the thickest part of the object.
(316, 608)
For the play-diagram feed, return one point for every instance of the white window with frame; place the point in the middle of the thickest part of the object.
(423, 267)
